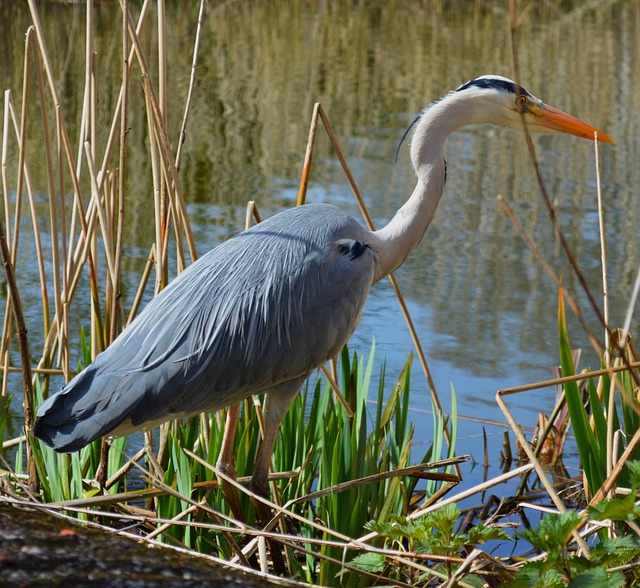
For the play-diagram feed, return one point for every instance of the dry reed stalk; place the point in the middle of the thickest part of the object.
(8, 315)
(105, 228)
(330, 376)
(200, 506)
(23, 344)
(121, 102)
(629, 315)
(552, 274)
(144, 279)
(13, 236)
(417, 471)
(280, 511)
(308, 156)
(540, 470)
(176, 196)
(533, 459)
(9, 256)
(603, 246)
(572, 303)
(551, 208)
(162, 119)
(64, 150)
(192, 80)
(350, 543)
(19, 129)
(123, 115)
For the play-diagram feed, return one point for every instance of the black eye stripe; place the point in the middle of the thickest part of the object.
(496, 84)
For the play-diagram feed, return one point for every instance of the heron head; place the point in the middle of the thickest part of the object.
(499, 100)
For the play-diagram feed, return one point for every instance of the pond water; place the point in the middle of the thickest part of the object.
(485, 310)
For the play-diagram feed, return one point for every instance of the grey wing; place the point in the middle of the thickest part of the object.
(265, 307)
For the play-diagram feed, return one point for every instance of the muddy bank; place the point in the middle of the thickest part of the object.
(37, 549)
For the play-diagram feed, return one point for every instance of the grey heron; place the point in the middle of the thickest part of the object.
(263, 310)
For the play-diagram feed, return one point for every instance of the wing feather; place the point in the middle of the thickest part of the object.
(267, 306)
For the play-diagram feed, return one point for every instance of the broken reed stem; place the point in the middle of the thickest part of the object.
(551, 273)
(308, 156)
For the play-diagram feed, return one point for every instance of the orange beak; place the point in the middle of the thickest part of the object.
(555, 119)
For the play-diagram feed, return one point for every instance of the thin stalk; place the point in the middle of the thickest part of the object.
(308, 156)
(157, 201)
(552, 274)
(630, 308)
(8, 315)
(417, 471)
(116, 121)
(151, 259)
(162, 119)
(611, 414)
(549, 204)
(118, 311)
(63, 139)
(603, 246)
(53, 215)
(611, 479)
(107, 234)
(34, 215)
(192, 81)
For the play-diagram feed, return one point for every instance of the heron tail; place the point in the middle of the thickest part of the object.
(88, 407)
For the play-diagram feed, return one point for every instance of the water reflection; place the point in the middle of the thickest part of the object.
(484, 306)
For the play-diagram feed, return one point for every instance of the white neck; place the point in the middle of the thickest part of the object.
(397, 239)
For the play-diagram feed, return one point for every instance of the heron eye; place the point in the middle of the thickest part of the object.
(521, 101)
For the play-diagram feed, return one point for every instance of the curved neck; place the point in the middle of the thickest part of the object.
(397, 239)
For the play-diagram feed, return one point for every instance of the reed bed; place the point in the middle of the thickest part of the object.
(351, 507)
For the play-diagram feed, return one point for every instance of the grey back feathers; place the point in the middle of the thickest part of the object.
(267, 306)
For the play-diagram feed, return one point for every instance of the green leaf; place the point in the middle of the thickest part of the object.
(616, 509)
(591, 453)
(617, 551)
(598, 578)
(633, 469)
(538, 574)
(553, 532)
(369, 562)
(481, 534)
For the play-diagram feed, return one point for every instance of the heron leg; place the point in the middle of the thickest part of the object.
(226, 461)
(277, 401)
